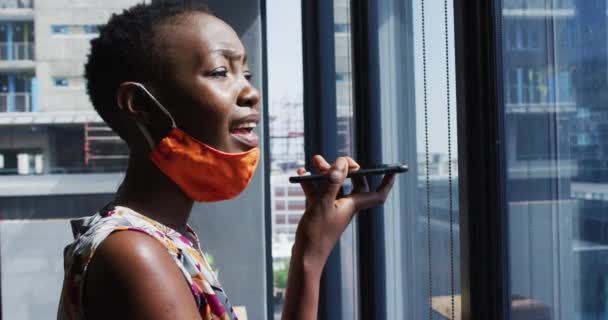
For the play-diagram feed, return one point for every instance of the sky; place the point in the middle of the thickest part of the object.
(284, 49)
(285, 65)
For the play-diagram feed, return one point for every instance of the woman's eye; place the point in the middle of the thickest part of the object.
(219, 72)
(248, 75)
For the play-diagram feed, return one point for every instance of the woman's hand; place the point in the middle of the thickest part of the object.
(327, 216)
(328, 213)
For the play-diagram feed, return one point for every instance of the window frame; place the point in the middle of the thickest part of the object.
(368, 141)
(480, 114)
(320, 133)
(481, 162)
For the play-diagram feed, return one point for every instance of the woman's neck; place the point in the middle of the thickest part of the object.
(148, 191)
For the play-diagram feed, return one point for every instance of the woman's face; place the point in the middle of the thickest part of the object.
(208, 90)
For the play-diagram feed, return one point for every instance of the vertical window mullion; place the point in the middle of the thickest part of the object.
(483, 226)
(366, 99)
(320, 123)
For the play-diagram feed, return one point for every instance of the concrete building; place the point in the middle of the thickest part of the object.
(55, 151)
(47, 123)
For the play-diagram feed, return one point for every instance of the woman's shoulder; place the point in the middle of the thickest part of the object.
(134, 271)
(119, 264)
(91, 233)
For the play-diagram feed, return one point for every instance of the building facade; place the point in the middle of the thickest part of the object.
(555, 63)
(48, 126)
(57, 158)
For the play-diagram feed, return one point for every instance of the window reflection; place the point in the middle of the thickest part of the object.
(557, 184)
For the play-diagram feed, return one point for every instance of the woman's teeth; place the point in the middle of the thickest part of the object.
(247, 125)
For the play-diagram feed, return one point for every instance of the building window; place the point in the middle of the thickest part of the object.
(522, 35)
(16, 4)
(75, 29)
(534, 85)
(60, 29)
(582, 139)
(566, 33)
(61, 82)
(17, 40)
(91, 29)
(564, 86)
(68, 82)
(28, 163)
(583, 113)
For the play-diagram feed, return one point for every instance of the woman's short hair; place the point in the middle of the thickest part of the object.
(127, 50)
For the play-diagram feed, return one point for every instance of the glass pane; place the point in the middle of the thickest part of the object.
(555, 71)
(346, 147)
(418, 112)
(57, 158)
(48, 98)
(285, 86)
(437, 207)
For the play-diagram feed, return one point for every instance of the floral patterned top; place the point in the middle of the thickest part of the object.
(90, 232)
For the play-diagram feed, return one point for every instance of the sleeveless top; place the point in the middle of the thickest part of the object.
(90, 232)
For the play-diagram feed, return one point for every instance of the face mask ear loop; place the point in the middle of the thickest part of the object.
(143, 128)
(146, 134)
(162, 108)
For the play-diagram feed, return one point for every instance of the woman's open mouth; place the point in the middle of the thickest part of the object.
(244, 133)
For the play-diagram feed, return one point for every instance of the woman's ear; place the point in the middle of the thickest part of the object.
(129, 101)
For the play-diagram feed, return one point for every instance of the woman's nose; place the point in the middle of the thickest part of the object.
(249, 97)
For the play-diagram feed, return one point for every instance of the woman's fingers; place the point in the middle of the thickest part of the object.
(333, 183)
(360, 184)
(352, 164)
(307, 187)
(365, 200)
(321, 164)
(387, 184)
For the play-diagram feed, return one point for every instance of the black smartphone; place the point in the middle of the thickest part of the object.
(379, 170)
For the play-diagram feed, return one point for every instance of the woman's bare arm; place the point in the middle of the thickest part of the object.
(322, 224)
(132, 276)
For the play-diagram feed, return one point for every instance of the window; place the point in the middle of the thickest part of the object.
(16, 4)
(74, 29)
(60, 161)
(57, 159)
(60, 29)
(418, 119)
(286, 135)
(523, 36)
(72, 82)
(556, 179)
(91, 29)
(535, 87)
(61, 82)
(566, 33)
(17, 40)
(345, 144)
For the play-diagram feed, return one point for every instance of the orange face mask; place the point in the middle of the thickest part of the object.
(205, 174)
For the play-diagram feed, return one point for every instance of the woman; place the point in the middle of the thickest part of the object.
(172, 80)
